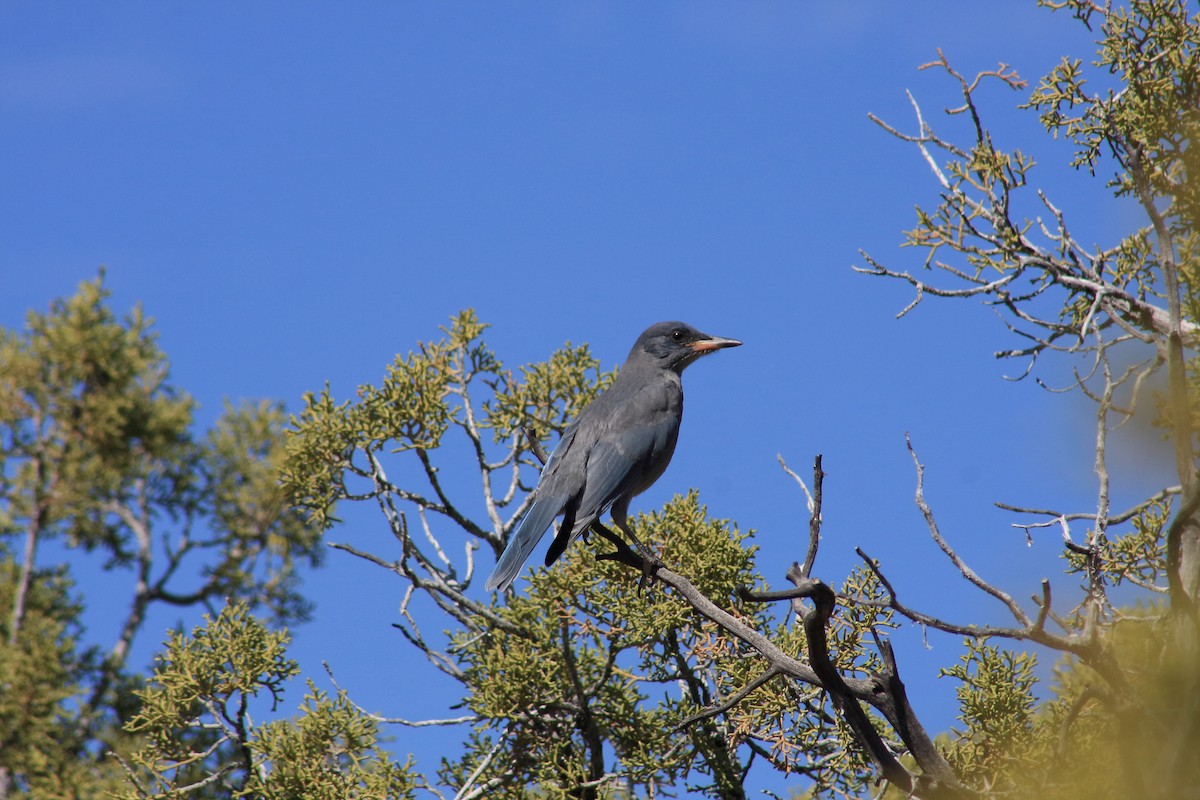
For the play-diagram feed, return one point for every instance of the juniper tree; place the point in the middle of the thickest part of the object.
(583, 682)
(582, 686)
(99, 454)
(199, 738)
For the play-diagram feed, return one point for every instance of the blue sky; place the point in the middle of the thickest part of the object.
(298, 192)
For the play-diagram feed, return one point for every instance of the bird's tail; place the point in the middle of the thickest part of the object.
(528, 534)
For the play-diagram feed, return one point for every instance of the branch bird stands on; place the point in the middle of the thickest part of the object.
(615, 449)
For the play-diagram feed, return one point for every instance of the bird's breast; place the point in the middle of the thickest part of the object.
(661, 409)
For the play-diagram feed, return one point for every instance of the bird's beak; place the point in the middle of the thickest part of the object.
(710, 343)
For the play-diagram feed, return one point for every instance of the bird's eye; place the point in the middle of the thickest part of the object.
(678, 334)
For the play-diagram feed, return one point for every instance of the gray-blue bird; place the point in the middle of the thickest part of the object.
(615, 450)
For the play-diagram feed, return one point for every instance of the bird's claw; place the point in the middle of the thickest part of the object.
(650, 562)
(650, 565)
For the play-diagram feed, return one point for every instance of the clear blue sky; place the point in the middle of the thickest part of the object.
(296, 192)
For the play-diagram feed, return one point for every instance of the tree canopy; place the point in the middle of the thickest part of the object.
(98, 455)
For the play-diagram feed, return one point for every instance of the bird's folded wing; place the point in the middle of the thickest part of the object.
(553, 491)
(620, 462)
(521, 544)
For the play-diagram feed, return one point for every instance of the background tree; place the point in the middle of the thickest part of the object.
(97, 454)
(206, 683)
(583, 685)
(1119, 314)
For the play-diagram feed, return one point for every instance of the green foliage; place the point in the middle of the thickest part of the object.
(423, 395)
(97, 449)
(1139, 107)
(581, 685)
(549, 395)
(1151, 48)
(796, 722)
(586, 684)
(199, 738)
(330, 752)
(263, 536)
(38, 667)
(96, 444)
(1086, 740)
(319, 447)
(996, 706)
(1123, 717)
(214, 671)
(84, 405)
(1137, 557)
(194, 716)
(600, 661)
(40, 682)
(1134, 104)
(409, 408)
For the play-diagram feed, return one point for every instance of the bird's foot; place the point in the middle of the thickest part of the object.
(650, 565)
(633, 555)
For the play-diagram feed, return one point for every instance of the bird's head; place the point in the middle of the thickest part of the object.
(674, 345)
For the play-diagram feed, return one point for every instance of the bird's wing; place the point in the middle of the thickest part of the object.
(552, 494)
(521, 544)
(621, 461)
(611, 468)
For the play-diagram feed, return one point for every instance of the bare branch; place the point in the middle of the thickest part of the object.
(1015, 609)
(1113, 519)
(814, 509)
(424, 723)
(1174, 324)
(893, 602)
(469, 791)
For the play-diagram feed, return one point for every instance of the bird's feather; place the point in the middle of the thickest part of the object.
(552, 494)
(625, 462)
(565, 531)
(521, 544)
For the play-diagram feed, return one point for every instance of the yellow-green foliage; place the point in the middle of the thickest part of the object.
(1085, 740)
(646, 661)
(584, 682)
(996, 703)
(207, 679)
(98, 451)
(84, 405)
(199, 735)
(421, 396)
(589, 633)
(96, 445)
(1138, 556)
(330, 752)
(249, 508)
(1147, 123)
(549, 395)
(39, 685)
(585, 672)
(37, 669)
